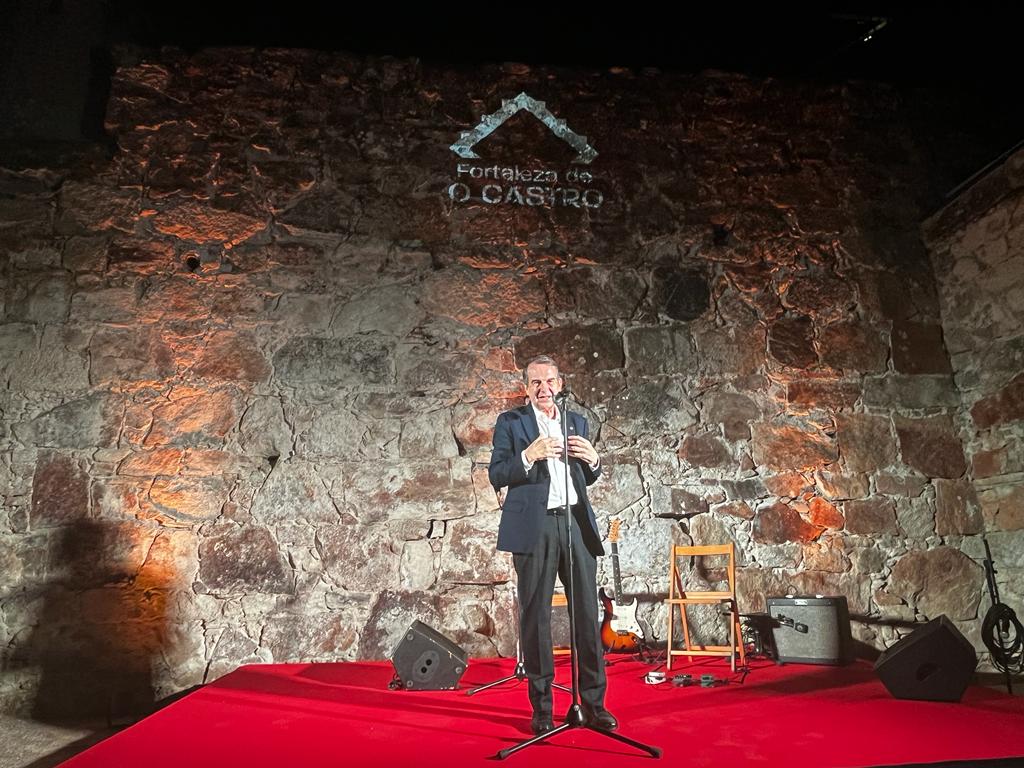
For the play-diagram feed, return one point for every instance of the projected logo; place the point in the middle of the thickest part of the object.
(537, 185)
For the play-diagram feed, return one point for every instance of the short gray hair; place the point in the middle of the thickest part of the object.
(540, 360)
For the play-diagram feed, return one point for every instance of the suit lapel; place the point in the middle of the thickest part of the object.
(530, 424)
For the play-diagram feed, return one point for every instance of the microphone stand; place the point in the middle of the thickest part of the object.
(574, 718)
(518, 674)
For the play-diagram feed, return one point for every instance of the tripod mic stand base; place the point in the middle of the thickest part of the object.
(654, 752)
(518, 675)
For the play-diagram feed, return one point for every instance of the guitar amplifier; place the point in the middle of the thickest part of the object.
(810, 629)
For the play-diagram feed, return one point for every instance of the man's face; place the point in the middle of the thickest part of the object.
(542, 384)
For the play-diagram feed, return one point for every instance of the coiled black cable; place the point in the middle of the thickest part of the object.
(1003, 635)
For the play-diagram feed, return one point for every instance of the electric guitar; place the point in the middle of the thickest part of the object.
(620, 632)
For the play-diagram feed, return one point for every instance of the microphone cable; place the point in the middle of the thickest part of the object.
(1003, 635)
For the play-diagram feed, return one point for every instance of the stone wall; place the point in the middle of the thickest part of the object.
(977, 247)
(252, 361)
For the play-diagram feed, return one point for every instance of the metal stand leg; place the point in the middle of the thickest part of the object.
(519, 674)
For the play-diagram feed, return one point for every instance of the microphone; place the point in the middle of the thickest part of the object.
(562, 396)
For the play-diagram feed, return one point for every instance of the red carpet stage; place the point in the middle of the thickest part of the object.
(306, 715)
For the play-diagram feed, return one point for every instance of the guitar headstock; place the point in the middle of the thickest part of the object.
(613, 530)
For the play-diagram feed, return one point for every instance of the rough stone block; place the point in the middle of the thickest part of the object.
(791, 341)
(836, 486)
(791, 446)
(956, 508)
(87, 207)
(823, 513)
(294, 491)
(939, 581)
(118, 305)
(659, 349)
(483, 298)
(392, 310)
(188, 499)
(1002, 507)
(473, 423)
(85, 254)
(229, 356)
(866, 442)
(853, 346)
(732, 410)
(917, 348)
(679, 293)
(652, 406)
(779, 523)
(468, 553)
(870, 516)
(729, 352)
(821, 294)
(418, 567)
(309, 636)
(193, 417)
(599, 292)
(87, 422)
(428, 434)
(428, 369)
(910, 486)
(243, 560)
(60, 491)
(263, 430)
(129, 354)
(787, 484)
(1001, 407)
(931, 446)
(686, 503)
(203, 225)
(707, 451)
(823, 394)
(45, 299)
(910, 392)
(352, 361)
(915, 518)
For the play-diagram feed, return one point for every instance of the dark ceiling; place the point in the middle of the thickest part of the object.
(900, 42)
(957, 61)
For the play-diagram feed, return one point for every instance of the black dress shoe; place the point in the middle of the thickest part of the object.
(599, 717)
(542, 724)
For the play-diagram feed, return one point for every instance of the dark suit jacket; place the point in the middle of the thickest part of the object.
(522, 514)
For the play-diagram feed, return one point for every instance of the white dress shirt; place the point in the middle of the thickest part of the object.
(556, 466)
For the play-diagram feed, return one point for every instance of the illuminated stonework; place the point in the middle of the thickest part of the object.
(251, 363)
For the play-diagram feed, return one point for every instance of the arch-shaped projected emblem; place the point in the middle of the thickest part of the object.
(490, 123)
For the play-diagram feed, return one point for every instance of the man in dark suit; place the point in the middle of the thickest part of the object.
(527, 459)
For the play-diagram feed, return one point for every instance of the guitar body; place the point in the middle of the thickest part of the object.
(620, 632)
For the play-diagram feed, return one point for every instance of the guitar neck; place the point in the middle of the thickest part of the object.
(616, 576)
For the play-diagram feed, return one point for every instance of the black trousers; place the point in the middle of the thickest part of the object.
(536, 572)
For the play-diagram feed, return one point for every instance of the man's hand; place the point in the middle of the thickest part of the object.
(544, 448)
(580, 448)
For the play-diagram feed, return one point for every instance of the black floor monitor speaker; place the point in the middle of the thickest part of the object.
(935, 662)
(810, 630)
(426, 660)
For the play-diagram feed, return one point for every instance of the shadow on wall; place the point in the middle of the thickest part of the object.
(101, 624)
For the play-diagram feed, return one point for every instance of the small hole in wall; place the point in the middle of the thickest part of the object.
(720, 234)
(192, 262)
